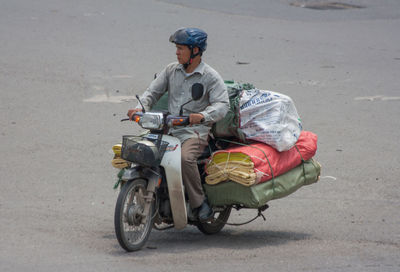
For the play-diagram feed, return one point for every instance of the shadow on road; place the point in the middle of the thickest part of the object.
(174, 241)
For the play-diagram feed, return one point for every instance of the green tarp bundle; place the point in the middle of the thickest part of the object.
(230, 193)
(229, 125)
(162, 103)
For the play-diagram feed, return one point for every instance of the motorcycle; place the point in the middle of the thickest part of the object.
(152, 194)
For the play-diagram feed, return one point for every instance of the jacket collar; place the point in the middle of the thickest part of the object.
(199, 69)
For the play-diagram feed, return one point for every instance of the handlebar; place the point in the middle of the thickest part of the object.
(173, 121)
(134, 117)
(169, 120)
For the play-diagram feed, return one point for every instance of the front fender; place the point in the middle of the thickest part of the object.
(131, 173)
(137, 172)
(127, 174)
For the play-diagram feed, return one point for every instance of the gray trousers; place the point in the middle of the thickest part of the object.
(191, 150)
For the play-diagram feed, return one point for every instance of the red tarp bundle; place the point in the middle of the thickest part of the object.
(281, 162)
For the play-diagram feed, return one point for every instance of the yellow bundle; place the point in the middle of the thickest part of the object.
(117, 149)
(117, 161)
(237, 167)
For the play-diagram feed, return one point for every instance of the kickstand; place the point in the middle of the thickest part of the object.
(260, 210)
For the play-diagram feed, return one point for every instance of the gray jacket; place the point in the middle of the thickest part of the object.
(173, 79)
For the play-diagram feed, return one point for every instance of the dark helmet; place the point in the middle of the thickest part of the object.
(192, 37)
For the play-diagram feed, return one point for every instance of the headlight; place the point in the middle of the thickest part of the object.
(152, 120)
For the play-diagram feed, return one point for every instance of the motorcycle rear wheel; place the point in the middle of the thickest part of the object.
(132, 228)
(216, 225)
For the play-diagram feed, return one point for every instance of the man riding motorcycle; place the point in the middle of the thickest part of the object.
(177, 79)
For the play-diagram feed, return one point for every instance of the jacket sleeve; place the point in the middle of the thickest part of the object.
(156, 89)
(219, 101)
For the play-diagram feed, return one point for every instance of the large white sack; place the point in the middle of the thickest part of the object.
(269, 117)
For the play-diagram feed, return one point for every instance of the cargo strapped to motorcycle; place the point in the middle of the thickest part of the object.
(265, 155)
(270, 166)
(265, 206)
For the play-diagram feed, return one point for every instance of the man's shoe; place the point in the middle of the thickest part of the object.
(205, 212)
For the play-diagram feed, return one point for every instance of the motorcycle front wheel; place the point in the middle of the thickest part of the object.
(216, 224)
(132, 226)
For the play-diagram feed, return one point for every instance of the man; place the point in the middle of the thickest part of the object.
(177, 79)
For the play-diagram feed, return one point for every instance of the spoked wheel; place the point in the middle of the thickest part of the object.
(216, 224)
(132, 226)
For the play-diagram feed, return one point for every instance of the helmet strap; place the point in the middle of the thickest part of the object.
(192, 56)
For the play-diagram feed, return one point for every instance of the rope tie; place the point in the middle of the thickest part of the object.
(303, 161)
(270, 167)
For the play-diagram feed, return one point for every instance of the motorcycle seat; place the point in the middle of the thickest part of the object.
(213, 145)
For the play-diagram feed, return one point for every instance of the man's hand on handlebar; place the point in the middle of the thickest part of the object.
(196, 118)
(132, 112)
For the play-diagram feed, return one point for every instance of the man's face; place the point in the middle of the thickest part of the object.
(182, 53)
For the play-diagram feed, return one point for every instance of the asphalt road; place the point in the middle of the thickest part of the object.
(69, 71)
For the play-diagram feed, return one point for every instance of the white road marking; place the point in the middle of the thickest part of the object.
(102, 98)
(328, 177)
(377, 97)
(122, 76)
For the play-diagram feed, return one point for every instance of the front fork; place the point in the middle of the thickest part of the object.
(153, 181)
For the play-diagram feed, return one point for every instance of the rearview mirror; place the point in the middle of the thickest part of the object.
(197, 91)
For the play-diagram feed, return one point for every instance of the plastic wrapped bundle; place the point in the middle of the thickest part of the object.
(269, 117)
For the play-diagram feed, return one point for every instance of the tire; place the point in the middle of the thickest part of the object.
(217, 223)
(130, 230)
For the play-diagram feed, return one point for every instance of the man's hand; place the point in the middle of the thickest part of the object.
(132, 112)
(196, 118)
